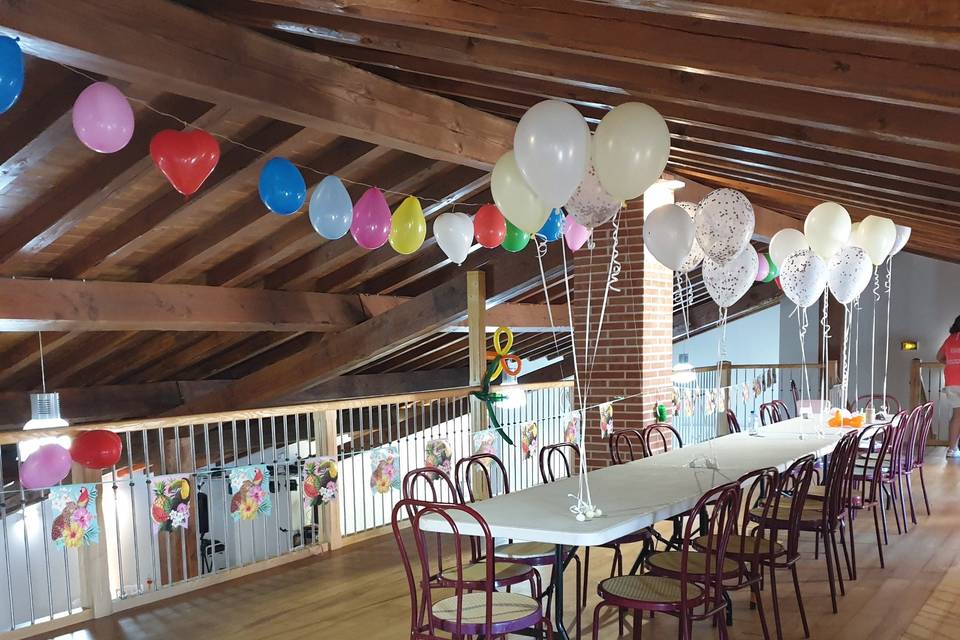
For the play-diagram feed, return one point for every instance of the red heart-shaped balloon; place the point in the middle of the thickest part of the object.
(186, 158)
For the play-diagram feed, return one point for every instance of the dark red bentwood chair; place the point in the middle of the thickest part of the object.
(660, 437)
(868, 480)
(696, 584)
(565, 455)
(892, 469)
(733, 425)
(878, 402)
(773, 411)
(422, 484)
(920, 438)
(626, 445)
(473, 609)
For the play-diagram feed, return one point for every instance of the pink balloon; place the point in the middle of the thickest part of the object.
(371, 219)
(102, 118)
(45, 467)
(763, 268)
(575, 233)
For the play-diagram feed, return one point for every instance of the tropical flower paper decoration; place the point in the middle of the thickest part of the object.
(171, 502)
(571, 432)
(384, 470)
(250, 495)
(485, 442)
(319, 481)
(606, 420)
(439, 455)
(529, 440)
(74, 509)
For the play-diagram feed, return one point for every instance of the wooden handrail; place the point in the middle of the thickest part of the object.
(12, 437)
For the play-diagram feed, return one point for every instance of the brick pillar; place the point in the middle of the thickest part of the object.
(634, 352)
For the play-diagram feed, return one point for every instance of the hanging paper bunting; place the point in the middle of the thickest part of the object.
(485, 442)
(571, 432)
(439, 455)
(171, 502)
(529, 440)
(722, 400)
(384, 470)
(745, 392)
(606, 420)
(319, 481)
(710, 403)
(74, 508)
(250, 496)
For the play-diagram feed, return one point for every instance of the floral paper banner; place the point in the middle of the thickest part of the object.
(319, 481)
(384, 470)
(529, 440)
(74, 509)
(170, 508)
(439, 454)
(745, 392)
(606, 420)
(710, 406)
(571, 432)
(688, 403)
(485, 442)
(757, 388)
(250, 495)
(722, 400)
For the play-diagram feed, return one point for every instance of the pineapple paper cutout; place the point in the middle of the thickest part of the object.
(170, 508)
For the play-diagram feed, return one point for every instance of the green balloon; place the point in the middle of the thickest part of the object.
(773, 272)
(515, 240)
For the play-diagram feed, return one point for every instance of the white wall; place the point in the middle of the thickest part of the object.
(753, 339)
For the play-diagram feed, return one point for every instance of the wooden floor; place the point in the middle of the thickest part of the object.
(359, 592)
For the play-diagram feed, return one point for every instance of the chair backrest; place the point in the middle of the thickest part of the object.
(419, 567)
(878, 401)
(761, 486)
(922, 434)
(721, 523)
(874, 446)
(795, 392)
(478, 467)
(839, 487)
(626, 445)
(770, 412)
(566, 455)
(782, 409)
(660, 437)
(900, 440)
(427, 484)
(733, 425)
(794, 482)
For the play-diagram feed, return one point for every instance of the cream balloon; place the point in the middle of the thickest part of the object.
(876, 236)
(827, 228)
(514, 197)
(630, 149)
(903, 236)
(785, 242)
(552, 147)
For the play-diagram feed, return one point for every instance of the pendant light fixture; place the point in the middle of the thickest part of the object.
(44, 407)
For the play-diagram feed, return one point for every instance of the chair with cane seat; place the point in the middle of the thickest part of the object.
(920, 438)
(773, 411)
(660, 437)
(474, 608)
(626, 445)
(733, 425)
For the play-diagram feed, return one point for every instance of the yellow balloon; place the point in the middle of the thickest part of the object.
(408, 227)
(514, 197)
(630, 149)
(827, 228)
(876, 236)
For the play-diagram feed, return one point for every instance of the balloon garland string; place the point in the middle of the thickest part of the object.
(873, 343)
(189, 125)
(856, 354)
(845, 364)
(613, 275)
(542, 251)
(886, 350)
(802, 323)
(825, 324)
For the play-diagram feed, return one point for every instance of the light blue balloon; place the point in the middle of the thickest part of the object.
(552, 229)
(11, 72)
(331, 210)
(282, 187)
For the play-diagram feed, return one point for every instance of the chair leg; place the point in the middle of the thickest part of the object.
(833, 586)
(876, 525)
(923, 487)
(846, 555)
(913, 514)
(836, 561)
(893, 503)
(758, 599)
(776, 602)
(596, 621)
(883, 517)
(803, 612)
(903, 504)
(577, 595)
(586, 574)
(853, 546)
(816, 547)
(637, 624)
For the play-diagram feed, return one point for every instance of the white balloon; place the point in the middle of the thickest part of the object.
(516, 200)
(848, 273)
(724, 224)
(903, 236)
(630, 149)
(590, 204)
(827, 228)
(552, 145)
(454, 233)
(668, 235)
(803, 276)
(695, 257)
(727, 283)
(785, 242)
(877, 236)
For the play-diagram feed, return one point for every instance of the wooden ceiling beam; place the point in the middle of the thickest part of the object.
(617, 40)
(246, 350)
(160, 43)
(704, 316)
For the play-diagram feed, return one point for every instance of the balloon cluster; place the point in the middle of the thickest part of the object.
(50, 463)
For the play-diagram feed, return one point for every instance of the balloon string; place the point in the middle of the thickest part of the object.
(886, 352)
(845, 365)
(873, 344)
(825, 323)
(541, 251)
(189, 125)
(613, 274)
(802, 322)
(856, 355)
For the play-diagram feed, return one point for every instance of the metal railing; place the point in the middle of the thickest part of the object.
(201, 499)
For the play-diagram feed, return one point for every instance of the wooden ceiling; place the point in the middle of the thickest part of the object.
(771, 98)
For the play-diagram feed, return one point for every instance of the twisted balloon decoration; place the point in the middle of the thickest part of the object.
(500, 360)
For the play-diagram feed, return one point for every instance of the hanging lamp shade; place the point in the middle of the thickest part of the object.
(45, 411)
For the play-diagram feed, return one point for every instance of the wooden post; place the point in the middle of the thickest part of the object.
(723, 426)
(326, 437)
(477, 339)
(94, 563)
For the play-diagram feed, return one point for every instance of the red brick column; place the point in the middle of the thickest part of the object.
(634, 352)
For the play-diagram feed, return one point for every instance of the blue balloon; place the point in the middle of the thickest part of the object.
(11, 72)
(552, 229)
(282, 187)
(331, 211)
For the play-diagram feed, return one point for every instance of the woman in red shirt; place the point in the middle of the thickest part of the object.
(949, 355)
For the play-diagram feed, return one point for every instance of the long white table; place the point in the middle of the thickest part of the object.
(638, 494)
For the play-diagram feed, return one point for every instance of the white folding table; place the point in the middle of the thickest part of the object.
(638, 494)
